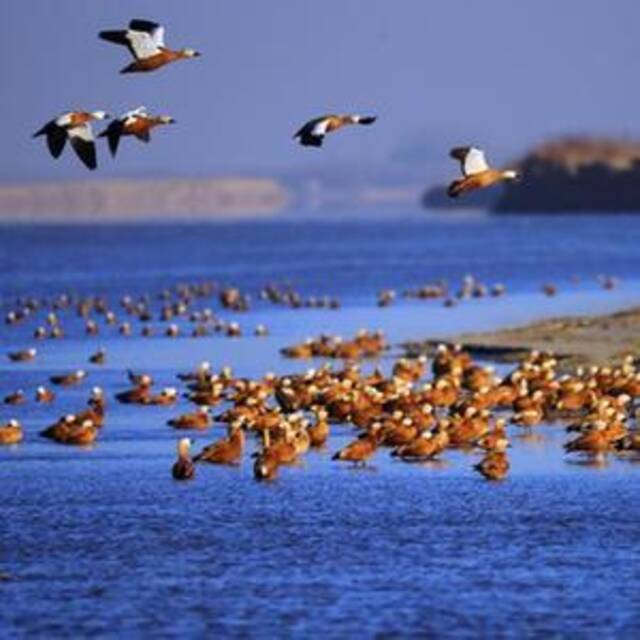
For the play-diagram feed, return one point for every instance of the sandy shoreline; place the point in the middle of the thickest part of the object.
(597, 339)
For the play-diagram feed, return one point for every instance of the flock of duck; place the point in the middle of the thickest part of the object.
(145, 41)
(416, 417)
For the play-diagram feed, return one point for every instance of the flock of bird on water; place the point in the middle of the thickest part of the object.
(419, 411)
(464, 405)
(146, 43)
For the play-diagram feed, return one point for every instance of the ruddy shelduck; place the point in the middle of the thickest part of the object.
(476, 173)
(76, 127)
(145, 41)
(312, 133)
(137, 122)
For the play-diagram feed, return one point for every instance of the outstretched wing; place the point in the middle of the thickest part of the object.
(142, 45)
(113, 133)
(81, 138)
(472, 160)
(56, 137)
(155, 30)
(312, 133)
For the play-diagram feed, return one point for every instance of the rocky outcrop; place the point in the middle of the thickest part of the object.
(576, 175)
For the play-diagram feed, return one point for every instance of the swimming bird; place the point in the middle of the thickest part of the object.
(312, 133)
(361, 449)
(69, 379)
(137, 122)
(11, 433)
(44, 395)
(145, 41)
(199, 419)
(99, 357)
(22, 356)
(494, 466)
(267, 463)
(476, 172)
(17, 397)
(76, 127)
(183, 469)
(226, 450)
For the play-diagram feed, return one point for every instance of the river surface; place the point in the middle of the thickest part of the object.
(102, 541)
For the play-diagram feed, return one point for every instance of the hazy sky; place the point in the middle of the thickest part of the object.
(501, 73)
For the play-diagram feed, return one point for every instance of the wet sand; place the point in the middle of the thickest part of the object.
(598, 340)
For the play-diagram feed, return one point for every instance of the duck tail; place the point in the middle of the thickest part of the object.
(130, 68)
(337, 455)
(455, 189)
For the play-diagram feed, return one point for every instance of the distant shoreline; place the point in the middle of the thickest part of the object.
(141, 200)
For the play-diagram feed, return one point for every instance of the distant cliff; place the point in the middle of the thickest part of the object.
(141, 199)
(574, 175)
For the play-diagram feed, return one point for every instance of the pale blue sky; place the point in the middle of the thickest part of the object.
(500, 73)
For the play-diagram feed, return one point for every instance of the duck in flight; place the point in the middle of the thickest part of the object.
(136, 123)
(145, 41)
(476, 172)
(75, 126)
(313, 132)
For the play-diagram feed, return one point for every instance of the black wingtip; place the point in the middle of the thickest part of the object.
(367, 120)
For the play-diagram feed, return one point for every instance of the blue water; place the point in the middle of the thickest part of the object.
(103, 542)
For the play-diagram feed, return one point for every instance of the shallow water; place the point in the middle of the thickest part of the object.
(102, 541)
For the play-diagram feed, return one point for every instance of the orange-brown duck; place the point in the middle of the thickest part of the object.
(494, 466)
(11, 433)
(227, 450)
(183, 468)
(145, 41)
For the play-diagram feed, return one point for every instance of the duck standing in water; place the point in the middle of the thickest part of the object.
(476, 172)
(183, 468)
(136, 123)
(226, 450)
(267, 463)
(360, 450)
(76, 127)
(312, 133)
(145, 41)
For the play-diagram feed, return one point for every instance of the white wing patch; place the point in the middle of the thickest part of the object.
(320, 129)
(64, 120)
(144, 45)
(130, 116)
(83, 131)
(474, 162)
(158, 36)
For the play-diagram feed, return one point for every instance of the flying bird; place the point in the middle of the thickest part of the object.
(476, 172)
(137, 122)
(313, 132)
(145, 41)
(76, 126)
